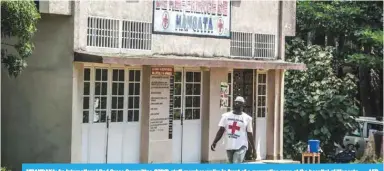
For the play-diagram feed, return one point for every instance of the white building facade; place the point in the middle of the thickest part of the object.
(141, 81)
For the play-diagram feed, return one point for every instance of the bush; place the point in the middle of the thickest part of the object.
(318, 104)
(5, 169)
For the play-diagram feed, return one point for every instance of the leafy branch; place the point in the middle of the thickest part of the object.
(18, 22)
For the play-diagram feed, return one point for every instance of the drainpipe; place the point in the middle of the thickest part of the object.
(281, 148)
(280, 37)
(280, 45)
(282, 57)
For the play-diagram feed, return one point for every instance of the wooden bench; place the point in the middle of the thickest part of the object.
(310, 157)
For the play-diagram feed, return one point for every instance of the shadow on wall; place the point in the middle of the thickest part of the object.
(236, 3)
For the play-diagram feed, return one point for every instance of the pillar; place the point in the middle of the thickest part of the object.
(275, 114)
(205, 144)
(77, 117)
(270, 113)
(144, 120)
(217, 75)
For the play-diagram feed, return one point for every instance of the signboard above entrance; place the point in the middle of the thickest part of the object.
(192, 17)
(162, 71)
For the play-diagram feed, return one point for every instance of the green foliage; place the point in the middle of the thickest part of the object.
(378, 161)
(372, 58)
(357, 25)
(5, 169)
(325, 16)
(318, 105)
(18, 24)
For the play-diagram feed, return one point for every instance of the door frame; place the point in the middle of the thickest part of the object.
(88, 125)
(182, 120)
(255, 84)
(256, 105)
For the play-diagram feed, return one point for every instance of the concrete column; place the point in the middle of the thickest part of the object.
(270, 113)
(144, 120)
(77, 116)
(276, 143)
(217, 75)
(205, 144)
(275, 116)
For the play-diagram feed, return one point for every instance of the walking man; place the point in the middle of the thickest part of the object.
(237, 127)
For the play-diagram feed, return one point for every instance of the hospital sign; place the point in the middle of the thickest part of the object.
(192, 17)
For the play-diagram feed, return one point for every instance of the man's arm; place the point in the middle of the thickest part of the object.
(219, 133)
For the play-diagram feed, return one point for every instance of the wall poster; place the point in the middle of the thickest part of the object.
(224, 92)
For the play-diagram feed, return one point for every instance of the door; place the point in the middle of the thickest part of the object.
(111, 114)
(243, 85)
(261, 112)
(187, 123)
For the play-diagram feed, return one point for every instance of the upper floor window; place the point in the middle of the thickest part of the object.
(103, 32)
(136, 35)
(250, 45)
(264, 46)
(241, 44)
(114, 33)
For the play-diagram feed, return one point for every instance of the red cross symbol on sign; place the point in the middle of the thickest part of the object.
(220, 25)
(234, 127)
(165, 20)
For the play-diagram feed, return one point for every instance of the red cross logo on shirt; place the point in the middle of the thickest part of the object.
(165, 22)
(220, 25)
(234, 127)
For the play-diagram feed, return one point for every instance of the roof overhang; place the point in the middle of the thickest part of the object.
(188, 61)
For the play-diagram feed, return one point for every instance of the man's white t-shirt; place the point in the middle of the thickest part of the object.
(236, 128)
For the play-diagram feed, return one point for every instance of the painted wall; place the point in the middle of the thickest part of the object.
(37, 105)
(56, 7)
(247, 16)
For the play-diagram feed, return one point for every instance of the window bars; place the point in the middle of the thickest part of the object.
(250, 45)
(113, 33)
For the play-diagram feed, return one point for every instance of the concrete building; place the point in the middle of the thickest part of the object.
(143, 81)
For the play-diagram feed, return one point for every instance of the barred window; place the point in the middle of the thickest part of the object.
(103, 32)
(241, 44)
(136, 35)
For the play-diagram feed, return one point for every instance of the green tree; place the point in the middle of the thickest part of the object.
(18, 24)
(319, 105)
(355, 29)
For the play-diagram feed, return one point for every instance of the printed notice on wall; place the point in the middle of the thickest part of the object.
(171, 92)
(224, 92)
(159, 107)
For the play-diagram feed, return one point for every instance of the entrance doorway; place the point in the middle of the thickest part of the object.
(186, 136)
(252, 85)
(111, 114)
